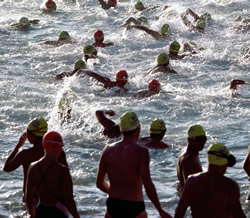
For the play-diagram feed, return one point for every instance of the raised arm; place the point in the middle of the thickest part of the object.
(147, 30)
(246, 163)
(98, 77)
(103, 120)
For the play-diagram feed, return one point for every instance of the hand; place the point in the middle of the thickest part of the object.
(22, 139)
(110, 112)
(164, 214)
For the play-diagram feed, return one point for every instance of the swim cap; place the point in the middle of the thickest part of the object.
(79, 64)
(24, 21)
(64, 35)
(206, 16)
(219, 155)
(122, 76)
(154, 85)
(165, 29)
(99, 35)
(89, 50)
(113, 3)
(174, 47)
(38, 127)
(139, 6)
(195, 131)
(157, 126)
(143, 20)
(162, 59)
(52, 141)
(50, 4)
(129, 122)
(201, 23)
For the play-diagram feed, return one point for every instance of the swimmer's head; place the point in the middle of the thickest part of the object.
(122, 76)
(64, 35)
(219, 155)
(50, 4)
(99, 36)
(201, 23)
(52, 141)
(79, 64)
(129, 122)
(24, 21)
(113, 3)
(139, 6)
(174, 47)
(165, 29)
(154, 86)
(162, 59)
(143, 20)
(38, 127)
(196, 131)
(90, 50)
(157, 126)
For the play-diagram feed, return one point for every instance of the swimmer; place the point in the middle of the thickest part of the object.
(99, 38)
(89, 52)
(35, 131)
(24, 23)
(236, 82)
(174, 48)
(199, 22)
(157, 132)
(139, 6)
(126, 165)
(188, 161)
(109, 4)
(63, 38)
(211, 194)
(121, 79)
(111, 130)
(49, 6)
(162, 65)
(154, 88)
(51, 181)
(162, 35)
(79, 65)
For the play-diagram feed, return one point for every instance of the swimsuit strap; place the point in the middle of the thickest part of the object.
(43, 178)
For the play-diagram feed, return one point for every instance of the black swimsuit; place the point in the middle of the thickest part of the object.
(43, 211)
(118, 208)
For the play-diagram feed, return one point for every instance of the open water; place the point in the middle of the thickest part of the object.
(199, 93)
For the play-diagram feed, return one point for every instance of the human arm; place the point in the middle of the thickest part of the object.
(101, 175)
(183, 202)
(29, 195)
(236, 82)
(194, 15)
(34, 21)
(147, 30)
(104, 4)
(246, 163)
(98, 77)
(68, 194)
(131, 20)
(103, 120)
(148, 184)
(15, 159)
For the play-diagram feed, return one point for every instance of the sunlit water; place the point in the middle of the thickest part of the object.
(199, 93)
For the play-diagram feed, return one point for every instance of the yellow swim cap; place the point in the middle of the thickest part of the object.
(38, 126)
(157, 126)
(64, 35)
(24, 21)
(201, 23)
(195, 131)
(174, 47)
(89, 50)
(79, 64)
(143, 20)
(162, 59)
(165, 29)
(219, 155)
(139, 6)
(129, 122)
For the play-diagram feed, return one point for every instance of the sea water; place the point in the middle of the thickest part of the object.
(198, 94)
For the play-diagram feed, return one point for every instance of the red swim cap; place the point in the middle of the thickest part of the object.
(113, 3)
(99, 35)
(52, 141)
(122, 76)
(154, 85)
(50, 4)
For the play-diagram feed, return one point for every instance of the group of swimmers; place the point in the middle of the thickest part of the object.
(47, 178)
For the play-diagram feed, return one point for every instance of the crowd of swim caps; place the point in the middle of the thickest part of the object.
(217, 154)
